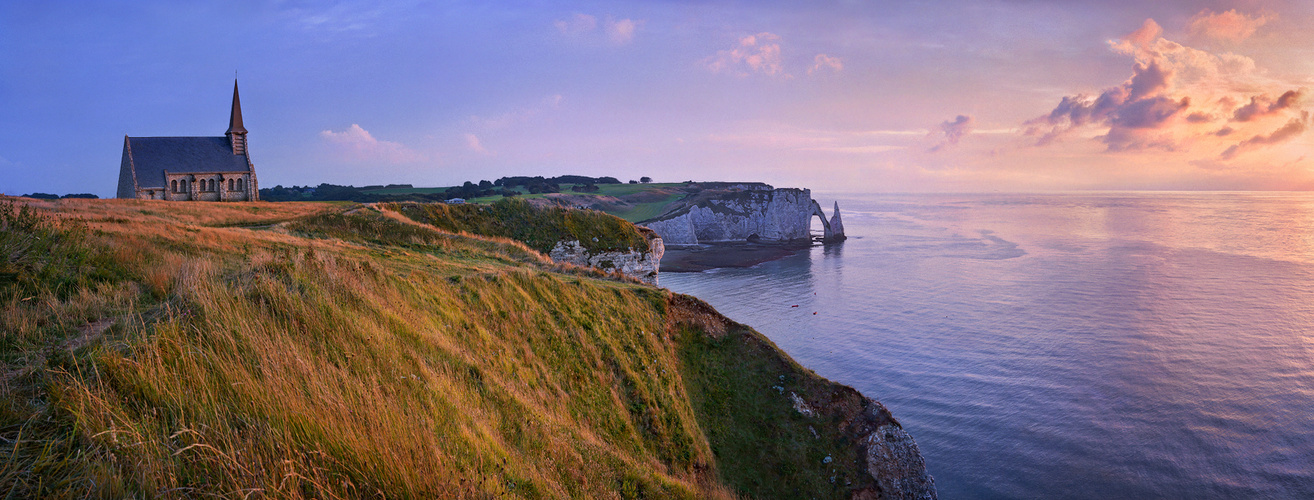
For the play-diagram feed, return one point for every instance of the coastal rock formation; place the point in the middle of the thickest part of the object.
(769, 215)
(894, 460)
(634, 263)
(837, 225)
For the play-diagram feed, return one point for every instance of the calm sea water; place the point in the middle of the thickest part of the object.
(1125, 345)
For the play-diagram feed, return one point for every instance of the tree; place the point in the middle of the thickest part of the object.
(645, 179)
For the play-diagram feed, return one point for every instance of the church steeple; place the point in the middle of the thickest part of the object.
(236, 132)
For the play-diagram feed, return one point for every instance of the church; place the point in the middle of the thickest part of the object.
(190, 168)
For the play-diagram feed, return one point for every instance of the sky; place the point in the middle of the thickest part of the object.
(842, 96)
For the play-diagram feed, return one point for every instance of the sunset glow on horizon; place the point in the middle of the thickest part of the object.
(840, 96)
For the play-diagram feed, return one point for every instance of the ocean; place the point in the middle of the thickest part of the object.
(1106, 345)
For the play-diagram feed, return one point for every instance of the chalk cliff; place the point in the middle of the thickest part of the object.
(630, 262)
(770, 215)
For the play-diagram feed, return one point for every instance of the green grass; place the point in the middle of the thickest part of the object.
(740, 386)
(637, 211)
(347, 353)
(540, 228)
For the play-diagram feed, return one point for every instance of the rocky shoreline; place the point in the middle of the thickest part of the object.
(737, 254)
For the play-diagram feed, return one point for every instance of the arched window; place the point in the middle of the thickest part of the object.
(230, 184)
(241, 184)
(174, 184)
(183, 185)
(210, 183)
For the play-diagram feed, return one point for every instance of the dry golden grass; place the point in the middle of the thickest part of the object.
(302, 350)
(276, 365)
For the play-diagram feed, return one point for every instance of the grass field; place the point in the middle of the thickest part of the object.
(307, 350)
(638, 207)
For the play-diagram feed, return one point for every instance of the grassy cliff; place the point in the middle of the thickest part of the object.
(297, 350)
(539, 227)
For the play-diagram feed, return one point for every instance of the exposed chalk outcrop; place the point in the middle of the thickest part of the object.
(634, 263)
(896, 463)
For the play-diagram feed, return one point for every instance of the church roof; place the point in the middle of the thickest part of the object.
(151, 156)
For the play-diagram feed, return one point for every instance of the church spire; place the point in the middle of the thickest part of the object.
(235, 121)
(236, 132)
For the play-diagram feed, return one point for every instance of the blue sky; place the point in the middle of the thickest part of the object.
(837, 96)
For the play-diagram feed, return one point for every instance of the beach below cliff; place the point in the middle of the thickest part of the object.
(696, 258)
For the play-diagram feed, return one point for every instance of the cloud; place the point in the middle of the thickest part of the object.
(622, 31)
(578, 24)
(520, 115)
(758, 53)
(1127, 110)
(472, 142)
(1261, 106)
(1172, 100)
(1230, 26)
(618, 31)
(1140, 40)
(357, 144)
(952, 131)
(1293, 128)
(824, 62)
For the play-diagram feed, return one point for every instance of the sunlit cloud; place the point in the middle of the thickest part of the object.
(578, 24)
(1293, 128)
(824, 62)
(518, 116)
(472, 142)
(951, 131)
(358, 145)
(786, 138)
(622, 31)
(758, 53)
(1230, 26)
(1175, 98)
(1261, 106)
(585, 27)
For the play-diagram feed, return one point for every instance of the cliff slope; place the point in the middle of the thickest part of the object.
(305, 350)
(582, 237)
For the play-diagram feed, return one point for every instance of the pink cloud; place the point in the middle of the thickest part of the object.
(1292, 129)
(577, 25)
(758, 53)
(622, 31)
(952, 131)
(824, 62)
(1261, 106)
(357, 144)
(472, 142)
(1230, 26)
(1127, 110)
(1173, 96)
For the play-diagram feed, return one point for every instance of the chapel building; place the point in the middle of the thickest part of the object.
(190, 168)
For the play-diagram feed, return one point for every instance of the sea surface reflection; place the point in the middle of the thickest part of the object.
(1124, 345)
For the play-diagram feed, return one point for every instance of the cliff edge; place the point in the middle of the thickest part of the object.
(764, 413)
(737, 213)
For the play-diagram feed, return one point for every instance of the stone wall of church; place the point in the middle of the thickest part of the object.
(208, 187)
